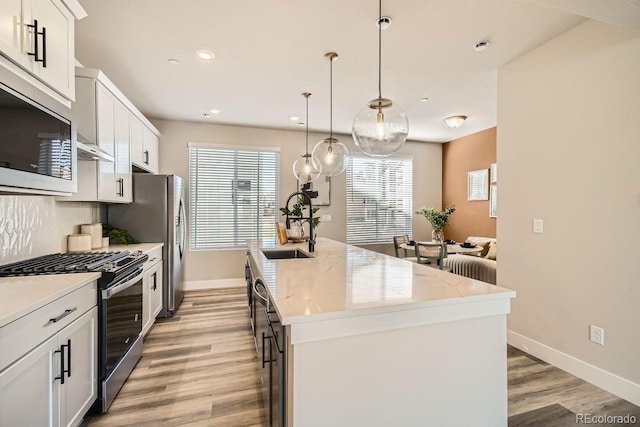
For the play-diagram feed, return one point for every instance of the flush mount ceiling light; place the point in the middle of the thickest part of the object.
(303, 168)
(455, 121)
(329, 155)
(381, 127)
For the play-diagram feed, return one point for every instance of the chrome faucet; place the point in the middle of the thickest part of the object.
(312, 239)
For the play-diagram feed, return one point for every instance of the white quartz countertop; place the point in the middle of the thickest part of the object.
(343, 280)
(23, 294)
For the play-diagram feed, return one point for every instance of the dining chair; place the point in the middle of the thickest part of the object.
(399, 240)
(432, 254)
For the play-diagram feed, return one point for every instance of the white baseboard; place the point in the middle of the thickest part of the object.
(612, 383)
(195, 285)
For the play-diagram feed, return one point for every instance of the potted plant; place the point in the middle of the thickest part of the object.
(438, 219)
(117, 235)
(296, 231)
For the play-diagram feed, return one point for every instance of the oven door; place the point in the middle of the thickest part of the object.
(120, 333)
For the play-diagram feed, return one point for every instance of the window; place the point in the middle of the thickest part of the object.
(233, 194)
(379, 199)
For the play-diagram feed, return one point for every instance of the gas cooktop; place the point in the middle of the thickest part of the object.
(71, 263)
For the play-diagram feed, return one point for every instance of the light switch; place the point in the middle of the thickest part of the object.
(325, 218)
(538, 226)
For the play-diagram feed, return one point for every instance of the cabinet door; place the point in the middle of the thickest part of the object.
(136, 141)
(11, 30)
(80, 387)
(105, 119)
(150, 151)
(57, 22)
(123, 154)
(156, 291)
(28, 390)
(151, 296)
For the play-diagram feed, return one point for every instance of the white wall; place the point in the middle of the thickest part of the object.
(215, 265)
(32, 226)
(569, 153)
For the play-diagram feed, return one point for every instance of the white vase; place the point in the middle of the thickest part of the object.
(296, 230)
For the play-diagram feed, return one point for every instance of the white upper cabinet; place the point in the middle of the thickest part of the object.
(144, 146)
(10, 28)
(149, 151)
(37, 41)
(103, 120)
(105, 117)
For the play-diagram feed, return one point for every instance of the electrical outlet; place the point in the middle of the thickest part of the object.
(325, 218)
(596, 334)
(538, 226)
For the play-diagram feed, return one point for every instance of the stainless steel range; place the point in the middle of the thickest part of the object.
(119, 308)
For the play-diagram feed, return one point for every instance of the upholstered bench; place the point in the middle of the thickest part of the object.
(479, 267)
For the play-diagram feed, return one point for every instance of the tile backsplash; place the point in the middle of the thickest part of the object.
(32, 226)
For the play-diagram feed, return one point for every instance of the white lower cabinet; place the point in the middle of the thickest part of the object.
(151, 289)
(55, 383)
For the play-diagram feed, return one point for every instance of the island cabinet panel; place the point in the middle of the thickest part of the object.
(450, 373)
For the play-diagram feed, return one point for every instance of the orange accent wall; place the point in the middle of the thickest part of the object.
(476, 151)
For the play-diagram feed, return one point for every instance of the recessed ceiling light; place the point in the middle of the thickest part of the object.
(481, 45)
(206, 115)
(173, 61)
(205, 55)
(383, 22)
(214, 111)
(294, 118)
(425, 99)
(300, 123)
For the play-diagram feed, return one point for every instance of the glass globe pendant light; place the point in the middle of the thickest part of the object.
(330, 155)
(381, 127)
(303, 168)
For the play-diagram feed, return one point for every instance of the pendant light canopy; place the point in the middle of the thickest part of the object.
(303, 168)
(330, 155)
(381, 127)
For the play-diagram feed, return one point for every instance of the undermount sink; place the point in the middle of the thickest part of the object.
(285, 253)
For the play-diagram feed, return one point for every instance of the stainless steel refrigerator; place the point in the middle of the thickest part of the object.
(157, 214)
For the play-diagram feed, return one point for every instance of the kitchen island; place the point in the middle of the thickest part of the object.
(373, 340)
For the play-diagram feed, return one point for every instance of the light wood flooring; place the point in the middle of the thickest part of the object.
(199, 368)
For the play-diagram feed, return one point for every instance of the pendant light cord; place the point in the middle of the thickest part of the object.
(306, 121)
(380, 49)
(330, 101)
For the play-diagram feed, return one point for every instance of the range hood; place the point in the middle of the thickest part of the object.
(92, 152)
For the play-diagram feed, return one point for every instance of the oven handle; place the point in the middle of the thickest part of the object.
(128, 281)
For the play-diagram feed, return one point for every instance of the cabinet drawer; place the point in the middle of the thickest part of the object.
(19, 337)
(155, 255)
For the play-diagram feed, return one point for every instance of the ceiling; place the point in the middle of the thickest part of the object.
(268, 52)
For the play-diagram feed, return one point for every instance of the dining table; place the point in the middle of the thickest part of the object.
(452, 248)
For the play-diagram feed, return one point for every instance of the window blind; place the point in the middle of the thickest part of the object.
(379, 199)
(232, 196)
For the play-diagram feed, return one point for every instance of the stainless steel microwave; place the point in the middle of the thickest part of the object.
(37, 140)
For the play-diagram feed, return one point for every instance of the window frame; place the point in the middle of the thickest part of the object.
(383, 231)
(264, 228)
